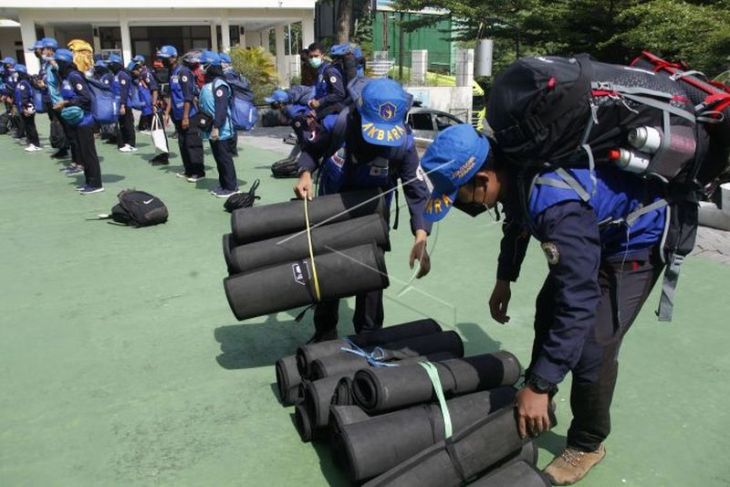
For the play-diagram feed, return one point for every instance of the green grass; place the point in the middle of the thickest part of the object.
(121, 363)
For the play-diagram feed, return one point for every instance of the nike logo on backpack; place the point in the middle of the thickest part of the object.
(148, 201)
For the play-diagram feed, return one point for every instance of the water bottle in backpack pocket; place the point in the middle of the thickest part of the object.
(104, 103)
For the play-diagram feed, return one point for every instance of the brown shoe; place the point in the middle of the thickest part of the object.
(572, 465)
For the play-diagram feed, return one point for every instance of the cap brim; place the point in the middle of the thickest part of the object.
(438, 205)
(269, 100)
(386, 134)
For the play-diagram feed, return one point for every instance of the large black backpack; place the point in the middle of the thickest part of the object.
(139, 209)
(575, 112)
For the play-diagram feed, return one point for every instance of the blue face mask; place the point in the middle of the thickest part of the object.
(315, 62)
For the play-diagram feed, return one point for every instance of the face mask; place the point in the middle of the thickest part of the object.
(315, 62)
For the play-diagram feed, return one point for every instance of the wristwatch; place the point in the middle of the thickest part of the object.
(539, 385)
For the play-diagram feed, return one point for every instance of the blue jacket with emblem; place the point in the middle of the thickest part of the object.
(182, 90)
(330, 90)
(76, 92)
(577, 237)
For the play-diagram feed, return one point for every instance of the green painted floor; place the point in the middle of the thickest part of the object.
(121, 364)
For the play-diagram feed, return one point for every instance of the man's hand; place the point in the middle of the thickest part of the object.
(303, 188)
(499, 301)
(122, 110)
(313, 103)
(214, 134)
(532, 412)
(59, 105)
(419, 252)
(185, 123)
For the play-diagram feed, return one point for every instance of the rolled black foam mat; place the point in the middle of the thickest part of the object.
(343, 393)
(517, 474)
(386, 389)
(288, 380)
(266, 221)
(229, 243)
(371, 447)
(465, 455)
(286, 286)
(306, 354)
(337, 236)
(344, 415)
(317, 395)
(445, 344)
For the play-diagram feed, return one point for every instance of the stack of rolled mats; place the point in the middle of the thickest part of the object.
(374, 399)
(268, 252)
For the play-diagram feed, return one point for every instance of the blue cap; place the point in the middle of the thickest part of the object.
(9, 60)
(383, 105)
(278, 96)
(20, 68)
(50, 43)
(114, 59)
(167, 51)
(64, 55)
(453, 158)
(36, 45)
(131, 66)
(225, 58)
(100, 63)
(138, 59)
(209, 58)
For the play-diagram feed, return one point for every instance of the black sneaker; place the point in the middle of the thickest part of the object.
(60, 154)
(160, 160)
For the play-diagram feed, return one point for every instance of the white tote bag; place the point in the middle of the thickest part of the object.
(159, 138)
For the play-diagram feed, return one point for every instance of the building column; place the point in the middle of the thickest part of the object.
(27, 35)
(126, 38)
(265, 34)
(281, 65)
(97, 40)
(225, 33)
(307, 31)
(252, 38)
(213, 37)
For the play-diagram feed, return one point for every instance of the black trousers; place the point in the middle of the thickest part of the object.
(72, 139)
(19, 125)
(31, 132)
(56, 124)
(83, 138)
(223, 151)
(624, 289)
(127, 134)
(368, 315)
(191, 150)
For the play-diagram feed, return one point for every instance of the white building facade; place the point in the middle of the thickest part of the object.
(142, 26)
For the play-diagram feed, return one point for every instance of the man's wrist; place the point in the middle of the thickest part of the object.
(539, 385)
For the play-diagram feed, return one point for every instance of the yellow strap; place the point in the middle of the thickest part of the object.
(317, 293)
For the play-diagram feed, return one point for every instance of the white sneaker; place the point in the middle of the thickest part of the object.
(32, 148)
(127, 148)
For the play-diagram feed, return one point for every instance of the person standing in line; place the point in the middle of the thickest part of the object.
(181, 108)
(214, 103)
(24, 104)
(122, 87)
(76, 108)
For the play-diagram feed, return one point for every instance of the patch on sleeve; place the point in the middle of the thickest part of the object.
(219, 93)
(184, 79)
(123, 82)
(333, 79)
(552, 254)
(22, 87)
(79, 86)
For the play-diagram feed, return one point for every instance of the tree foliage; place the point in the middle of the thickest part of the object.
(259, 67)
(697, 32)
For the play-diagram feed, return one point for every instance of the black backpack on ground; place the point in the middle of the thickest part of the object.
(242, 200)
(285, 168)
(555, 112)
(138, 209)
